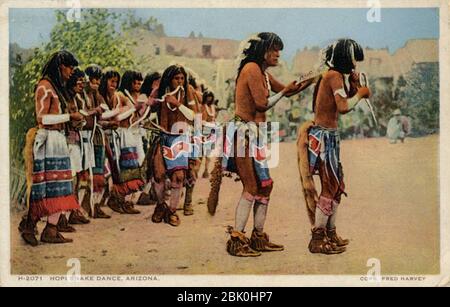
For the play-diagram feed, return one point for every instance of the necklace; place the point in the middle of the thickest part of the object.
(83, 102)
(266, 75)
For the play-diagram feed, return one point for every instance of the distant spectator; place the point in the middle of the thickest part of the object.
(398, 127)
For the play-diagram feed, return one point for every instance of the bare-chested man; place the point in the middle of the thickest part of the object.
(332, 96)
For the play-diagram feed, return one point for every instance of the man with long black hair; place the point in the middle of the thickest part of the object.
(94, 140)
(78, 152)
(208, 116)
(252, 97)
(131, 148)
(148, 96)
(170, 156)
(117, 111)
(49, 172)
(337, 92)
(195, 157)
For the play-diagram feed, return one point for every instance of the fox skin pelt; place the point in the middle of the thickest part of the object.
(306, 179)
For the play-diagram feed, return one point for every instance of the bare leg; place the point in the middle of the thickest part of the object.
(54, 218)
(242, 213)
(321, 219)
(259, 215)
(175, 195)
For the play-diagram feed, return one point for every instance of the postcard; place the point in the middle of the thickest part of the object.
(224, 143)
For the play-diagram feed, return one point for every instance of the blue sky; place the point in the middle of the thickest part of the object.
(297, 27)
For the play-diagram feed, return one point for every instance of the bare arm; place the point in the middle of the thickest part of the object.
(43, 98)
(343, 102)
(255, 81)
(275, 84)
(192, 99)
(126, 108)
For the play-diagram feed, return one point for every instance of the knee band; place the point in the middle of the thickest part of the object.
(326, 205)
(248, 196)
(262, 200)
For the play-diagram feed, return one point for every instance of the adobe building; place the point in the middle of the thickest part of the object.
(190, 47)
(215, 60)
(378, 63)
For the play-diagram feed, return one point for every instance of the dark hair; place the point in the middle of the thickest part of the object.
(206, 95)
(52, 73)
(128, 78)
(72, 82)
(263, 42)
(167, 77)
(94, 71)
(148, 82)
(108, 74)
(341, 54)
(192, 81)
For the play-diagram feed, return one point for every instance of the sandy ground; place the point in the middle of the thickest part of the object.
(391, 213)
